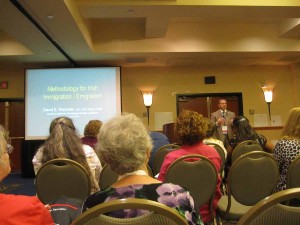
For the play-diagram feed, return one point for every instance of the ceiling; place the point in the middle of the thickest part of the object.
(71, 33)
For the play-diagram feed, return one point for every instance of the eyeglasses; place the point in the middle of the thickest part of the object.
(9, 148)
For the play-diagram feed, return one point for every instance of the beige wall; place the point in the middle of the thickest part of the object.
(15, 78)
(166, 82)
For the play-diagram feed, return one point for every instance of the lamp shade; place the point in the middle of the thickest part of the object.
(147, 96)
(268, 95)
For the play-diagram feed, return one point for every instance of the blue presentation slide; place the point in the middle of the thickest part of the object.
(81, 94)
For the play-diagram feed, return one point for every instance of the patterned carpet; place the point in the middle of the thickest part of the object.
(8, 187)
(16, 184)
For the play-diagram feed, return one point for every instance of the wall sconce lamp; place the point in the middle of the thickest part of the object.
(268, 93)
(147, 96)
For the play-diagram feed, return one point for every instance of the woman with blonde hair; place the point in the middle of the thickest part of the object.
(288, 147)
(64, 142)
(18, 209)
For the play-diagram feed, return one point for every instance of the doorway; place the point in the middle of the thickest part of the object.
(207, 103)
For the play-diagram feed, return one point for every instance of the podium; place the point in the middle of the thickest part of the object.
(168, 130)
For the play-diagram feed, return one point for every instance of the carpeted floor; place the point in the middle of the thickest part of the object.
(16, 184)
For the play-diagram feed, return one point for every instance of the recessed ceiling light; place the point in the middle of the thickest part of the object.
(130, 11)
(50, 17)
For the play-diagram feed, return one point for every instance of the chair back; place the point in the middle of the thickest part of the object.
(160, 156)
(270, 211)
(293, 178)
(252, 177)
(59, 177)
(220, 151)
(158, 214)
(245, 147)
(198, 174)
(108, 177)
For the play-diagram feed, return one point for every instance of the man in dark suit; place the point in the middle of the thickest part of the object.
(223, 119)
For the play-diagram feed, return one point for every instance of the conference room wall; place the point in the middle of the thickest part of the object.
(15, 77)
(166, 82)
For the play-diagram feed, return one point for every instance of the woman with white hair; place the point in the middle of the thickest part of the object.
(18, 209)
(124, 145)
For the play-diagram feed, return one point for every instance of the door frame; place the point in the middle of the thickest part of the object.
(239, 95)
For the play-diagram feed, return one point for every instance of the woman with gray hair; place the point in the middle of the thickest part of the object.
(18, 209)
(124, 145)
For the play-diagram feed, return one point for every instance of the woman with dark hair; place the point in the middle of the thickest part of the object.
(18, 209)
(191, 128)
(243, 131)
(64, 142)
(288, 147)
(91, 131)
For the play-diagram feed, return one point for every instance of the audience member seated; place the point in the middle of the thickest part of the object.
(64, 142)
(210, 137)
(190, 128)
(125, 145)
(158, 140)
(288, 147)
(91, 131)
(18, 209)
(243, 131)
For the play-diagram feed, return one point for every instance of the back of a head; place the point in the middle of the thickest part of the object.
(190, 127)
(3, 135)
(242, 129)
(123, 143)
(92, 128)
(62, 121)
(63, 141)
(5, 167)
(3, 138)
(211, 128)
(292, 126)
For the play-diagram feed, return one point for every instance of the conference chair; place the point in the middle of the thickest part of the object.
(252, 177)
(223, 161)
(108, 177)
(198, 174)
(293, 178)
(270, 211)
(245, 147)
(158, 214)
(221, 153)
(62, 177)
(160, 156)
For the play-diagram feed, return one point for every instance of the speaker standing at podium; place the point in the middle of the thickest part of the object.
(223, 119)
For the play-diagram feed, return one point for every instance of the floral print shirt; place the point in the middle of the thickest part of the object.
(168, 194)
